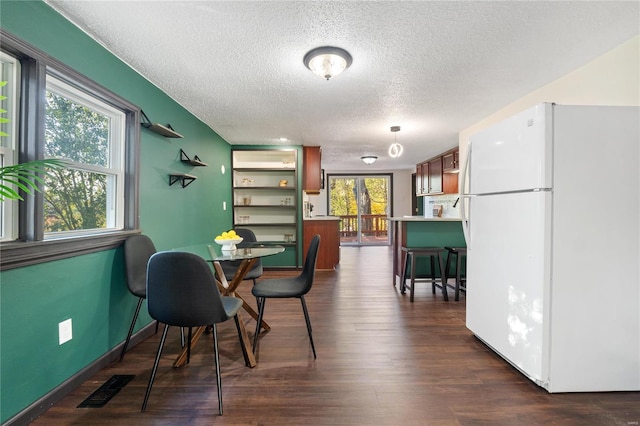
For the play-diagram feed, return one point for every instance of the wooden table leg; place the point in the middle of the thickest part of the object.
(244, 341)
(229, 289)
(252, 312)
(182, 357)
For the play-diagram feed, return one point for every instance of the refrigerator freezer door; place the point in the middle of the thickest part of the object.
(514, 155)
(507, 277)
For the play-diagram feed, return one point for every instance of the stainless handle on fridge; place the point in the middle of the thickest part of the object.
(466, 198)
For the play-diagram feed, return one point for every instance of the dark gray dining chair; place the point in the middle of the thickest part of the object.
(182, 292)
(230, 267)
(137, 251)
(290, 287)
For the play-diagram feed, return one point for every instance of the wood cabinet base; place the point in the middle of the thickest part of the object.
(329, 231)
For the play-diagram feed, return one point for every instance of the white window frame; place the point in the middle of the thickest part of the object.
(115, 167)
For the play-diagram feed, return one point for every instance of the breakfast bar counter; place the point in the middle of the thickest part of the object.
(420, 231)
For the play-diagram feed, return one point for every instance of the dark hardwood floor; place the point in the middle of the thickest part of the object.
(381, 361)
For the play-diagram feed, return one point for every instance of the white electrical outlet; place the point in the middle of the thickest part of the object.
(65, 331)
(224, 205)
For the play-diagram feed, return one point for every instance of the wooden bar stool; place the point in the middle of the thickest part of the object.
(456, 254)
(411, 254)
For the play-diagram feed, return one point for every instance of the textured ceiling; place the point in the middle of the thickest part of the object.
(433, 68)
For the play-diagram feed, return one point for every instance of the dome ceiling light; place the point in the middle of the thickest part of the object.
(395, 150)
(327, 61)
(369, 159)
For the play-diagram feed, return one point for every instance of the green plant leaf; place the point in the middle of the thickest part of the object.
(25, 176)
(8, 193)
(25, 185)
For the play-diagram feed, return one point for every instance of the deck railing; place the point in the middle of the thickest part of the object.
(373, 225)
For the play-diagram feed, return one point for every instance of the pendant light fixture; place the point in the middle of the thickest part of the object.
(395, 150)
(327, 61)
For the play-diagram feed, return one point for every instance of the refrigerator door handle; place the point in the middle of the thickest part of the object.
(466, 223)
(465, 207)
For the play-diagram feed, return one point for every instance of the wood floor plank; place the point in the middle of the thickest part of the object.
(381, 361)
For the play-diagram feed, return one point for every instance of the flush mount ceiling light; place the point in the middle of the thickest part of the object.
(327, 61)
(368, 159)
(395, 150)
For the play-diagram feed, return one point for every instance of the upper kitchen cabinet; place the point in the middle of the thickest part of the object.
(422, 178)
(450, 168)
(312, 169)
(435, 176)
(451, 161)
(438, 175)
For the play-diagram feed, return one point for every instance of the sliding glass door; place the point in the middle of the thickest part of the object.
(363, 202)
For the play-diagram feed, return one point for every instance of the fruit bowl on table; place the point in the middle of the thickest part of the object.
(228, 244)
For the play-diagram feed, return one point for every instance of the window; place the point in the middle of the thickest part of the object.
(89, 134)
(91, 204)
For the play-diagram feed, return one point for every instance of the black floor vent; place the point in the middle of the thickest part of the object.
(105, 392)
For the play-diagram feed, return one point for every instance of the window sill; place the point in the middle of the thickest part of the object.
(16, 254)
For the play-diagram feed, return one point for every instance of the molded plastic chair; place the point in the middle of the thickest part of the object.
(182, 292)
(137, 251)
(230, 267)
(287, 288)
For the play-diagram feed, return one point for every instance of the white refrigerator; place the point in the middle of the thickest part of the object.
(551, 215)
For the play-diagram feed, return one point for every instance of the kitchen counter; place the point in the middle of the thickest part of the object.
(420, 231)
(423, 219)
(322, 218)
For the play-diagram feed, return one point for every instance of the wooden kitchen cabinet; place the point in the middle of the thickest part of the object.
(429, 177)
(450, 183)
(328, 228)
(422, 178)
(438, 175)
(451, 161)
(435, 176)
(312, 169)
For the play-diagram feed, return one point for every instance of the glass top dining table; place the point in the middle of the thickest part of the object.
(248, 254)
(212, 252)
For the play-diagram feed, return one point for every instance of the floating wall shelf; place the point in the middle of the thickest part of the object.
(181, 177)
(194, 162)
(166, 131)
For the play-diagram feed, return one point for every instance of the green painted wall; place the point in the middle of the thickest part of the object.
(91, 289)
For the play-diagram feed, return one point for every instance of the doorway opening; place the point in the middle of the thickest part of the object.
(363, 203)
